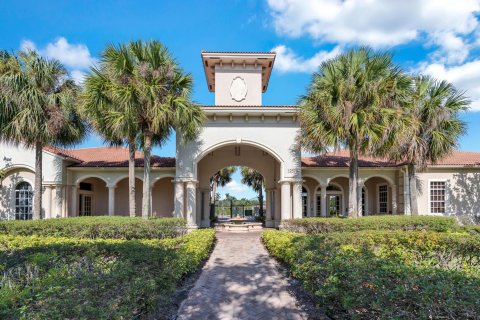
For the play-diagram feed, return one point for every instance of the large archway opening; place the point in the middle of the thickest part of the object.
(238, 156)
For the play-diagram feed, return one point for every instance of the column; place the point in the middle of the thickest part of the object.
(58, 201)
(394, 198)
(111, 200)
(206, 207)
(406, 193)
(74, 207)
(286, 212)
(179, 197)
(297, 200)
(323, 202)
(48, 202)
(191, 203)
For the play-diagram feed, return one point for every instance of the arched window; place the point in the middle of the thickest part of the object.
(23, 201)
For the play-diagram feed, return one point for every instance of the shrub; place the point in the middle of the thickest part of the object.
(66, 278)
(385, 274)
(98, 227)
(406, 223)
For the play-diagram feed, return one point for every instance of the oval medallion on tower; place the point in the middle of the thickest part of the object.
(238, 89)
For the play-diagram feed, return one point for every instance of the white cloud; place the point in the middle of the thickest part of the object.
(75, 57)
(465, 77)
(234, 187)
(78, 76)
(380, 23)
(287, 61)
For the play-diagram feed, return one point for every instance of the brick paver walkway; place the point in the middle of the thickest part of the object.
(240, 281)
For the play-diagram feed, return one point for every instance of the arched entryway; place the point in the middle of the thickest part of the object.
(380, 196)
(162, 195)
(91, 197)
(122, 207)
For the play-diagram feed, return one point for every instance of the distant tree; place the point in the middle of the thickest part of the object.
(38, 108)
(433, 130)
(349, 103)
(219, 178)
(254, 179)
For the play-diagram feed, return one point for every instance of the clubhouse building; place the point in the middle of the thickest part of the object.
(239, 131)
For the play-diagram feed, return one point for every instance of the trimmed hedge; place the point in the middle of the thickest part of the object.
(66, 278)
(98, 228)
(385, 274)
(406, 223)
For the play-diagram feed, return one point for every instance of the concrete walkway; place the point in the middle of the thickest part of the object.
(240, 281)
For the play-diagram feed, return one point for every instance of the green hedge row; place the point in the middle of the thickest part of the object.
(98, 227)
(406, 223)
(66, 278)
(385, 274)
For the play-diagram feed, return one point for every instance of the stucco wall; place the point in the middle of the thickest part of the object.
(223, 80)
(463, 190)
(162, 198)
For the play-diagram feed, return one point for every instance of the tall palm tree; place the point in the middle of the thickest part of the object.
(434, 128)
(38, 108)
(349, 103)
(254, 179)
(219, 178)
(109, 104)
(156, 93)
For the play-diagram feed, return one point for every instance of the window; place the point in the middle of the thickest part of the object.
(85, 205)
(334, 205)
(23, 201)
(383, 198)
(304, 202)
(437, 196)
(85, 186)
(319, 205)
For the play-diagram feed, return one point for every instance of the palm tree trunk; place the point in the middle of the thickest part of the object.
(147, 194)
(213, 200)
(131, 178)
(260, 199)
(353, 185)
(412, 182)
(37, 195)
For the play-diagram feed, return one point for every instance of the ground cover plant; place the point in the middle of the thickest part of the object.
(98, 227)
(72, 278)
(385, 274)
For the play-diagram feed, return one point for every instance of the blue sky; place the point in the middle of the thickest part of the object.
(437, 37)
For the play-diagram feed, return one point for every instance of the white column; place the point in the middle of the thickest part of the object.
(111, 200)
(206, 207)
(286, 210)
(323, 202)
(297, 200)
(406, 193)
(48, 202)
(58, 201)
(74, 207)
(394, 198)
(191, 203)
(179, 197)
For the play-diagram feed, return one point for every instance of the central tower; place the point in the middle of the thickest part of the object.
(238, 78)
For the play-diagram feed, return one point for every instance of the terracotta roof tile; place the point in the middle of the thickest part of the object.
(341, 159)
(115, 157)
(61, 152)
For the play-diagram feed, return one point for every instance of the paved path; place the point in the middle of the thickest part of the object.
(240, 281)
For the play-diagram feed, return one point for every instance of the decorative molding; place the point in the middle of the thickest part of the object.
(238, 89)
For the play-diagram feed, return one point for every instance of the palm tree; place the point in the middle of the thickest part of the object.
(349, 103)
(155, 100)
(111, 108)
(434, 127)
(254, 179)
(38, 108)
(219, 178)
